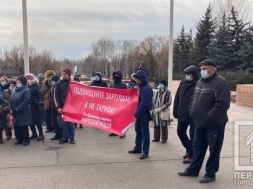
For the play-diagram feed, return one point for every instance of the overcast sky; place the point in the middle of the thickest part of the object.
(68, 27)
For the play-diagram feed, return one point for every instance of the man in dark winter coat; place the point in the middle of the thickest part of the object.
(181, 110)
(97, 80)
(208, 111)
(61, 89)
(118, 84)
(142, 115)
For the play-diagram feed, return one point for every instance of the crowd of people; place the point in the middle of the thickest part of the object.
(200, 104)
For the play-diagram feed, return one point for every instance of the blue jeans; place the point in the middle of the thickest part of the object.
(68, 130)
(142, 139)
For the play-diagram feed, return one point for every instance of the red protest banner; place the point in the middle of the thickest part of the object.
(107, 109)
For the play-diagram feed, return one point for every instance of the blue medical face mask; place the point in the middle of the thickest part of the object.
(3, 83)
(204, 74)
(19, 85)
(160, 86)
(188, 77)
(53, 83)
(96, 78)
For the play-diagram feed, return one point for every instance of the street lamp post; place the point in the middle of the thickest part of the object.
(25, 34)
(170, 63)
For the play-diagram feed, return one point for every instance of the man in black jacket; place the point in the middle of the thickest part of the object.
(181, 110)
(208, 111)
(117, 83)
(61, 89)
(98, 81)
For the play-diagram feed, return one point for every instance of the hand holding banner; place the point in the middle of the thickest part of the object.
(107, 109)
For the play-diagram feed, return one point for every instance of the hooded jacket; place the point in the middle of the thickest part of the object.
(117, 83)
(145, 103)
(37, 98)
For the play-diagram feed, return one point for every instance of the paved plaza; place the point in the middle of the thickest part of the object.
(98, 161)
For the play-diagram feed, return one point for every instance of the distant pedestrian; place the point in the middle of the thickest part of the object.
(142, 115)
(208, 111)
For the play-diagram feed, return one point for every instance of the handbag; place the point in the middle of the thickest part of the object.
(10, 121)
(165, 115)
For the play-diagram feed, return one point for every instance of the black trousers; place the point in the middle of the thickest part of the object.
(49, 119)
(22, 133)
(203, 138)
(57, 127)
(182, 134)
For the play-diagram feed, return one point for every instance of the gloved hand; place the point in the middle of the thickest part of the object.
(157, 110)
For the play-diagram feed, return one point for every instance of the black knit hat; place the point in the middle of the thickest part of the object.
(164, 82)
(22, 79)
(13, 82)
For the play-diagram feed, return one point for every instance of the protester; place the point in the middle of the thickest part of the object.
(132, 82)
(60, 96)
(41, 78)
(181, 110)
(55, 114)
(20, 107)
(118, 84)
(6, 97)
(162, 101)
(37, 102)
(208, 111)
(78, 80)
(47, 98)
(4, 84)
(97, 80)
(142, 115)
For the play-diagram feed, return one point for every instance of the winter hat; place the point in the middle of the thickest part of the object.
(208, 62)
(49, 73)
(98, 74)
(55, 78)
(13, 82)
(22, 79)
(5, 79)
(164, 82)
(41, 76)
(67, 71)
(30, 76)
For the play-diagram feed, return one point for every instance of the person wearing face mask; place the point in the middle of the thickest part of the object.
(20, 107)
(208, 111)
(162, 101)
(61, 89)
(181, 110)
(37, 102)
(41, 78)
(118, 84)
(55, 114)
(97, 80)
(4, 84)
(142, 116)
(47, 98)
(6, 97)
